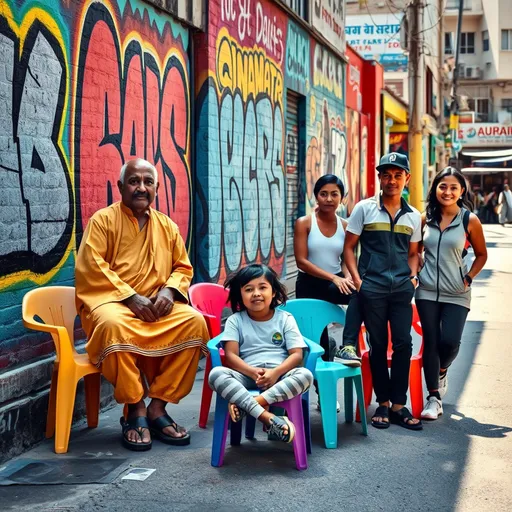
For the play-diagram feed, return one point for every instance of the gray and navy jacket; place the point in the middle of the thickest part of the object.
(383, 265)
(442, 275)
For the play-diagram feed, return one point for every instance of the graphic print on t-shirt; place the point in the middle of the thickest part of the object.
(277, 338)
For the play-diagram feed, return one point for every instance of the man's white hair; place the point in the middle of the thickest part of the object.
(139, 161)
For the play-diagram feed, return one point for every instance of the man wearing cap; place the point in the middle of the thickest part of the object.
(389, 231)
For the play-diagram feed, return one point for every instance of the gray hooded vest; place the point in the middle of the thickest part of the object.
(442, 276)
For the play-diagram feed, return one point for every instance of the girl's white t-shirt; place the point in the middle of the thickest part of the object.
(264, 344)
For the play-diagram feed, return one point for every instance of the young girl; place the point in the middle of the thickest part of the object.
(443, 296)
(263, 349)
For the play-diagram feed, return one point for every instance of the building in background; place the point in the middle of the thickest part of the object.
(483, 146)
(378, 29)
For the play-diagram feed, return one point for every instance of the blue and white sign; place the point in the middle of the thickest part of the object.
(377, 37)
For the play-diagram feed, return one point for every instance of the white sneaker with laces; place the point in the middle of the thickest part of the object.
(443, 385)
(433, 409)
(338, 406)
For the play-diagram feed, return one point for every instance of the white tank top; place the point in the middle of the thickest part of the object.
(325, 252)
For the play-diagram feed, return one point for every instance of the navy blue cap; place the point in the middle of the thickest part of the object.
(394, 160)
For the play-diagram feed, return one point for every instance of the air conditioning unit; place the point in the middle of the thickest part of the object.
(473, 73)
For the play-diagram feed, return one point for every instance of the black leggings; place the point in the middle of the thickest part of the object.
(442, 325)
(310, 287)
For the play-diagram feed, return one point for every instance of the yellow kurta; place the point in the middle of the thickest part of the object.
(116, 259)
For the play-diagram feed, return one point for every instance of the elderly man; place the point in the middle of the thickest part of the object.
(132, 277)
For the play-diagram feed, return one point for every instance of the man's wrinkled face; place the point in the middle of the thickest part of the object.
(140, 186)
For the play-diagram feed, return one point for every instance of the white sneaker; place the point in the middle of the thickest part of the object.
(433, 409)
(338, 406)
(443, 385)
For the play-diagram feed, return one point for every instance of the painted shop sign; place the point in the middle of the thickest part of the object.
(480, 134)
(328, 18)
(378, 37)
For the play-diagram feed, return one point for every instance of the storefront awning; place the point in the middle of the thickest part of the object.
(484, 170)
(488, 154)
(493, 160)
(394, 109)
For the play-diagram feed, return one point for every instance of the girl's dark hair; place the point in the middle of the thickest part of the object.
(433, 206)
(328, 179)
(237, 281)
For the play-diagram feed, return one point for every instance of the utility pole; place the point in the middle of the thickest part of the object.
(416, 102)
(454, 106)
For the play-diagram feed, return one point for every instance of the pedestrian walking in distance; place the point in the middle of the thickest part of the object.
(443, 296)
(389, 231)
(263, 347)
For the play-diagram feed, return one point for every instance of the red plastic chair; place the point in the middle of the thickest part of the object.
(415, 379)
(210, 300)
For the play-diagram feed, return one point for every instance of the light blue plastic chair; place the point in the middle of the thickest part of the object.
(312, 317)
(220, 427)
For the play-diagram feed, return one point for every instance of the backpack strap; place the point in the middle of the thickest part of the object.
(465, 222)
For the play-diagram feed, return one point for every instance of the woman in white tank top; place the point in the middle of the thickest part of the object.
(319, 239)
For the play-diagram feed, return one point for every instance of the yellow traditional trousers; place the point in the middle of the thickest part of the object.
(170, 378)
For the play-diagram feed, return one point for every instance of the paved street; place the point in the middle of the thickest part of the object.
(461, 462)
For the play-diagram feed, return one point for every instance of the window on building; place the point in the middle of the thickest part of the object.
(506, 39)
(481, 108)
(448, 43)
(506, 104)
(454, 4)
(299, 6)
(467, 42)
(485, 40)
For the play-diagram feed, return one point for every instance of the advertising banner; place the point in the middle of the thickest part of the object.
(328, 18)
(378, 37)
(484, 134)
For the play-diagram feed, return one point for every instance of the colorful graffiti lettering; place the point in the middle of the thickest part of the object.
(327, 150)
(36, 209)
(132, 99)
(240, 168)
(297, 59)
(66, 134)
(327, 72)
(247, 70)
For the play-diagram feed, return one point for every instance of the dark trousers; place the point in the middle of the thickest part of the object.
(378, 310)
(310, 287)
(442, 325)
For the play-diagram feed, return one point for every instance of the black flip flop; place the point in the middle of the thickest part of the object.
(157, 426)
(381, 412)
(402, 416)
(137, 424)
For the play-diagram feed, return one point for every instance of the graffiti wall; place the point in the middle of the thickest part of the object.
(84, 86)
(240, 140)
(327, 139)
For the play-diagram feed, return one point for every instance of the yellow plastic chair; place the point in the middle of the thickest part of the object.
(55, 306)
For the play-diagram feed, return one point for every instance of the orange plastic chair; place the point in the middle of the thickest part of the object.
(415, 379)
(55, 306)
(210, 300)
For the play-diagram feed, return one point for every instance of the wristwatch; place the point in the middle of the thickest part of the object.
(416, 278)
(469, 279)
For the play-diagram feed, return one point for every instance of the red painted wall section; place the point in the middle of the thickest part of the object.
(373, 79)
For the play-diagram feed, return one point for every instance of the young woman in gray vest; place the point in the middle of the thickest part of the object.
(443, 296)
